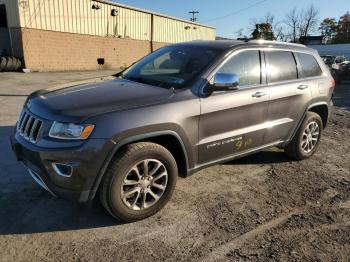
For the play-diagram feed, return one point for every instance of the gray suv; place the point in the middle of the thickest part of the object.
(180, 109)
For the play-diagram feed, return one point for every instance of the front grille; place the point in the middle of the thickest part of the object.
(28, 126)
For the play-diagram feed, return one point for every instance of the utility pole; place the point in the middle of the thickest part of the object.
(193, 18)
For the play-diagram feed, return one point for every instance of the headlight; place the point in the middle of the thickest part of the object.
(70, 131)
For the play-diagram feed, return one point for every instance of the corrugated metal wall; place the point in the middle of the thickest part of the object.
(77, 16)
(170, 30)
(12, 12)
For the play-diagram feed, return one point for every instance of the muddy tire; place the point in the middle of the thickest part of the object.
(139, 181)
(307, 139)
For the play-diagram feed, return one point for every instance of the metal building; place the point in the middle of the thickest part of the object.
(77, 34)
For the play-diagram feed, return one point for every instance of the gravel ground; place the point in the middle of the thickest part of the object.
(264, 207)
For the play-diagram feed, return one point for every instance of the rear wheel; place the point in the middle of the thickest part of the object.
(307, 139)
(139, 181)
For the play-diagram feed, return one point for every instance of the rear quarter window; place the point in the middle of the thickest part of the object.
(309, 66)
(282, 66)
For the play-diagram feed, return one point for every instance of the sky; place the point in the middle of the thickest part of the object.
(243, 12)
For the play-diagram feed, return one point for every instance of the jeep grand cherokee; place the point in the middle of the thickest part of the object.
(178, 110)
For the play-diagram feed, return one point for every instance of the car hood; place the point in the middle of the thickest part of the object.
(77, 103)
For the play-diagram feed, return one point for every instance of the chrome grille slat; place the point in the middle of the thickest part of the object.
(29, 126)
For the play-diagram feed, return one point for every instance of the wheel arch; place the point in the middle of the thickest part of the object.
(169, 139)
(322, 110)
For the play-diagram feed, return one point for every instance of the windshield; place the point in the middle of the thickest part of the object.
(172, 66)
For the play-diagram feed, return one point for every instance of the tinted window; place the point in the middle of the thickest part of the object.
(246, 65)
(282, 66)
(309, 65)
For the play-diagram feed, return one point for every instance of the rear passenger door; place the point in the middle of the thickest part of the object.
(310, 71)
(289, 95)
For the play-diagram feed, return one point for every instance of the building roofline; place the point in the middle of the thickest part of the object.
(150, 12)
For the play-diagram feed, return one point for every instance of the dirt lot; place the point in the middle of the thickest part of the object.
(261, 208)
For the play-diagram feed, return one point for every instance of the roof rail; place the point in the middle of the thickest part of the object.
(262, 41)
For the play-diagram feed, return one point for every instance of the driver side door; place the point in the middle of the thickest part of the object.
(233, 122)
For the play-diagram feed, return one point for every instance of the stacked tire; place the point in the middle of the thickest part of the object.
(9, 64)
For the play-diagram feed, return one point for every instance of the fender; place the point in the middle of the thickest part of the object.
(129, 140)
(302, 119)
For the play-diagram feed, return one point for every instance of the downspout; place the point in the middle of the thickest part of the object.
(152, 32)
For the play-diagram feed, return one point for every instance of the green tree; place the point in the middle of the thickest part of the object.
(263, 31)
(343, 29)
(329, 28)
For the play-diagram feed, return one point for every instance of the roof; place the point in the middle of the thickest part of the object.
(150, 12)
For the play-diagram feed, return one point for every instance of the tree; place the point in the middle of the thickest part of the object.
(267, 28)
(239, 33)
(263, 31)
(329, 28)
(292, 21)
(309, 19)
(276, 26)
(343, 34)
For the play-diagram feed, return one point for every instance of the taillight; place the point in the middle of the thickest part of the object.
(333, 84)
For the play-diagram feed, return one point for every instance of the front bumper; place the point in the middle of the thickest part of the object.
(87, 158)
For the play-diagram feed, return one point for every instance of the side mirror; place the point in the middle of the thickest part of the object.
(225, 82)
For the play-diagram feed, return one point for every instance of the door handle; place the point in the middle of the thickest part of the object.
(302, 87)
(259, 94)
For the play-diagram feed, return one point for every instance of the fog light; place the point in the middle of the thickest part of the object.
(65, 170)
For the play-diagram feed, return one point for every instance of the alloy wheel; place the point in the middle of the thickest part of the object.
(310, 137)
(144, 184)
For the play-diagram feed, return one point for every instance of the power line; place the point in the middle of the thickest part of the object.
(236, 12)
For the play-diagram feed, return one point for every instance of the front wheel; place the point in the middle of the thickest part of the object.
(139, 181)
(307, 139)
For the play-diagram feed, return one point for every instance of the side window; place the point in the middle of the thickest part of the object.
(246, 65)
(309, 65)
(282, 66)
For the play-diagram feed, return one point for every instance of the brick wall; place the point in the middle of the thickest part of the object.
(56, 51)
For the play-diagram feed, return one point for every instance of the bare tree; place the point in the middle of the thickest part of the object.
(309, 20)
(239, 33)
(292, 21)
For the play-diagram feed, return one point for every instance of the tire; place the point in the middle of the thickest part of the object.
(124, 165)
(9, 65)
(14, 63)
(299, 147)
(2, 63)
(18, 64)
